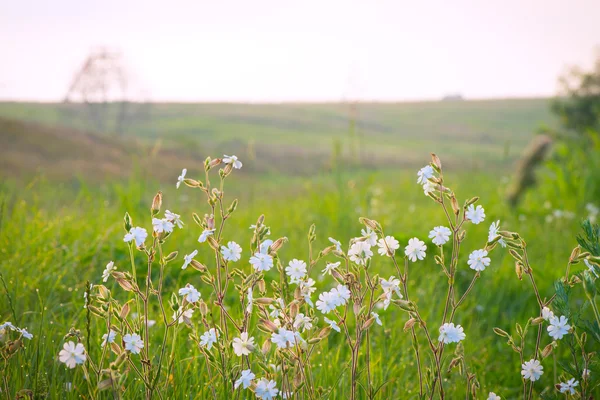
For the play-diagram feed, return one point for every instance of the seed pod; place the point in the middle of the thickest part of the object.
(156, 203)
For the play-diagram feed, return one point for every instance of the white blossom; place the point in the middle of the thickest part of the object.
(532, 370)
(475, 215)
(266, 389)
(181, 177)
(136, 234)
(415, 249)
(387, 246)
(261, 262)
(190, 293)
(110, 267)
(559, 327)
(174, 218)
(162, 225)
(133, 343)
(478, 260)
(187, 259)
(205, 234)
(568, 386)
(245, 379)
(208, 338)
(233, 251)
(237, 164)
(296, 270)
(451, 334)
(243, 345)
(72, 354)
(360, 252)
(440, 235)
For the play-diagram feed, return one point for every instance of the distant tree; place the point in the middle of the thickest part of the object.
(578, 106)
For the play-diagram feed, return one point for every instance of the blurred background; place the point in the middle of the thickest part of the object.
(332, 106)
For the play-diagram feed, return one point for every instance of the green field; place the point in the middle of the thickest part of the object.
(65, 191)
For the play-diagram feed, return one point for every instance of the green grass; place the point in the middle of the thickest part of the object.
(50, 245)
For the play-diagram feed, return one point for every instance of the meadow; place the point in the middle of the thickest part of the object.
(329, 164)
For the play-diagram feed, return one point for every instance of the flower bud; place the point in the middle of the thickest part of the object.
(269, 325)
(294, 309)
(455, 206)
(156, 203)
(278, 244)
(214, 163)
(124, 311)
(437, 163)
(404, 305)
(212, 242)
(125, 284)
(574, 254)
(409, 324)
(519, 270)
(368, 323)
(264, 300)
(500, 332)
(198, 266)
(262, 286)
(233, 206)
(203, 307)
(266, 347)
(127, 222)
(193, 183)
(547, 350)
(171, 256)
(371, 224)
(226, 171)
(537, 321)
(472, 201)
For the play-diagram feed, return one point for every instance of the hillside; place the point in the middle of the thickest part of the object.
(279, 138)
(29, 148)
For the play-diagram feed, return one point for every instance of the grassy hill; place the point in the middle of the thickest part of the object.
(306, 138)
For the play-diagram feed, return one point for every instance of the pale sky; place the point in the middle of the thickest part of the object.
(277, 50)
